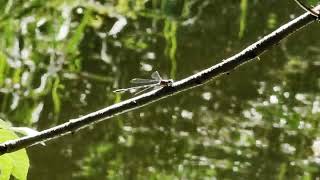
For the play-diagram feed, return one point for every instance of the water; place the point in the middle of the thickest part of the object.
(258, 122)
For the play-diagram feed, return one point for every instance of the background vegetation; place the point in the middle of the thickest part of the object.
(62, 59)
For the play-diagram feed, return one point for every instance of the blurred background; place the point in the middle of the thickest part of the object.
(62, 59)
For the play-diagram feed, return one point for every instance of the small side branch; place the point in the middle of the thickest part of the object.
(249, 53)
(306, 8)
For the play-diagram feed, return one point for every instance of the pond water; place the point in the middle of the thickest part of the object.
(258, 122)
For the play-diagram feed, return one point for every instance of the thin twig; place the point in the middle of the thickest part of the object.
(251, 52)
(306, 8)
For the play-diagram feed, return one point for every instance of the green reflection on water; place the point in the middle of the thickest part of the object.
(259, 122)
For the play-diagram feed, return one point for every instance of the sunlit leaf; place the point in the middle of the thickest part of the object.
(15, 163)
(6, 167)
(4, 124)
(20, 164)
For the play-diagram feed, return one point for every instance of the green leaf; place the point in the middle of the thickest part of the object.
(6, 167)
(79, 33)
(4, 124)
(20, 164)
(15, 163)
(55, 96)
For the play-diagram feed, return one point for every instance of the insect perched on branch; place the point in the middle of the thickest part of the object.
(146, 84)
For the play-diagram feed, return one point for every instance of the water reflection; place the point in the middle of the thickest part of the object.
(260, 122)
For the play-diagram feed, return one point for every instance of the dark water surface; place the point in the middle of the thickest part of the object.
(258, 122)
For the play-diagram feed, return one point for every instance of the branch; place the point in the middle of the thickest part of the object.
(192, 81)
(306, 8)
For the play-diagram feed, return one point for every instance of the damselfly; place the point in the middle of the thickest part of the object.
(147, 84)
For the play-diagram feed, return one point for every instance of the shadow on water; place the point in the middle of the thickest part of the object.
(60, 61)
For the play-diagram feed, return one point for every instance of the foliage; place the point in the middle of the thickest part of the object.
(14, 164)
(61, 59)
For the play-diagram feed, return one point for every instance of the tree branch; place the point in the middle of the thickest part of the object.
(306, 8)
(192, 81)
